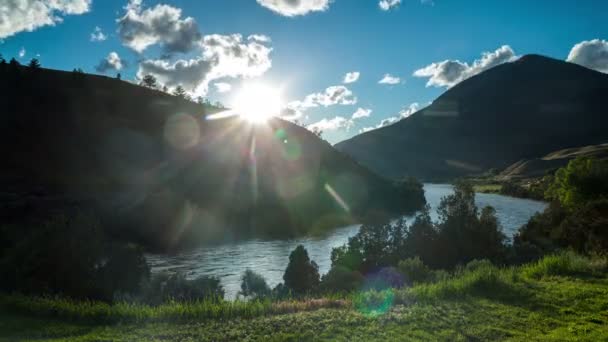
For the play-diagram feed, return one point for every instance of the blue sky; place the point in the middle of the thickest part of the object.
(312, 51)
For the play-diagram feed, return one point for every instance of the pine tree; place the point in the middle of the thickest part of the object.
(180, 92)
(149, 81)
(34, 63)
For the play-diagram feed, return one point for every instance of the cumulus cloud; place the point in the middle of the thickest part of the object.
(222, 87)
(162, 24)
(292, 8)
(386, 5)
(334, 95)
(333, 124)
(592, 54)
(409, 110)
(451, 72)
(260, 38)
(389, 79)
(28, 15)
(222, 56)
(361, 113)
(351, 77)
(97, 35)
(404, 113)
(22, 52)
(111, 62)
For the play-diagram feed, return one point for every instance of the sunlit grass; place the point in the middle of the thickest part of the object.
(560, 297)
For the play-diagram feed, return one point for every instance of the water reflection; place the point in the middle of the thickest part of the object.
(269, 258)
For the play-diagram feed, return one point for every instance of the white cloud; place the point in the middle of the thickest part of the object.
(451, 72)
(389, 79)
(222, 87)
(333, 124)
(22, 52)
(222, 56)
(260, 38)
(386, 5)
(27, 15)
(361, 113)
(291, 8)
(592, 54)
(162, 24)
(409, 110)
(112, 62)
(334, 95)
(97, 35)
(351, 77)
(404, 113)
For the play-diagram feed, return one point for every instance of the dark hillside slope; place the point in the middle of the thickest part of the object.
(514, 111)
(157, 170)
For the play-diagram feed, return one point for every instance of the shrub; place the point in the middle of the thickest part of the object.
(302, 274)
(175, 287)
(70, 256)
(341, 279)
(254, 285)
(414, 270)
(581, 181)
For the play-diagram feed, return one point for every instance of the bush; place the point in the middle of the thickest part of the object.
(414, 271)
(341, 279)
(301, 275)
(582, 180)
(163, 288)
(70, 256)
(253, 285)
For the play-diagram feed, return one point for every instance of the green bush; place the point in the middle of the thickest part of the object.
(254, 285)
(414, 271)
(70, 256)
(163, 288)
(341, 279)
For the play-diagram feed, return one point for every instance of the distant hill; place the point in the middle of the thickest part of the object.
(519, 110)
(158, 171)
(538, 167)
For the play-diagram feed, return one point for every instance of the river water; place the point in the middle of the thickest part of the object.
(270, 257)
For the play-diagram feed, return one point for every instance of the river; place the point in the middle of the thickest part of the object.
(270, 257)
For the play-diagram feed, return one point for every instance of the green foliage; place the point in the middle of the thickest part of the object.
(341, 279)
(414, 270)
(463, 234)
(301, 275)
(564, 264)
(583, 180)
(69, 255)
(180, 92)
(411, 191)
(254, 285)
(163, 288)
(149, 81)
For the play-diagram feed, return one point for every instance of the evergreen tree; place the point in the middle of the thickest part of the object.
(34, 63)
(302, 274)
(180, 92)
(149, 81)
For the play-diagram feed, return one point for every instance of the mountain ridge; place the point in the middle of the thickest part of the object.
(518, 110)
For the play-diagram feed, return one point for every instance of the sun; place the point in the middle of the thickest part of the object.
(258, 102)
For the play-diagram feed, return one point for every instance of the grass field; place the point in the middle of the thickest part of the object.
(560, 298)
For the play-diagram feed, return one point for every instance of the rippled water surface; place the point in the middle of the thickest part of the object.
(270, 257)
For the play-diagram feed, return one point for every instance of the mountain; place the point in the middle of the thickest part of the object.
(518, 110)
(158, 170)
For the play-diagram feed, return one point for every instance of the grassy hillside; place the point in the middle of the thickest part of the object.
(561, 297)
(519, 110)
(157, 170)
(530, 168)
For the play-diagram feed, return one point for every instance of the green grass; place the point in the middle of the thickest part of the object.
(560, 298)
(488, 188)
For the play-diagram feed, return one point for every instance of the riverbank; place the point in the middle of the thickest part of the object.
(561, 297)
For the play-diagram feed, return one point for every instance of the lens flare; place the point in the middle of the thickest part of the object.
(258, 102)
